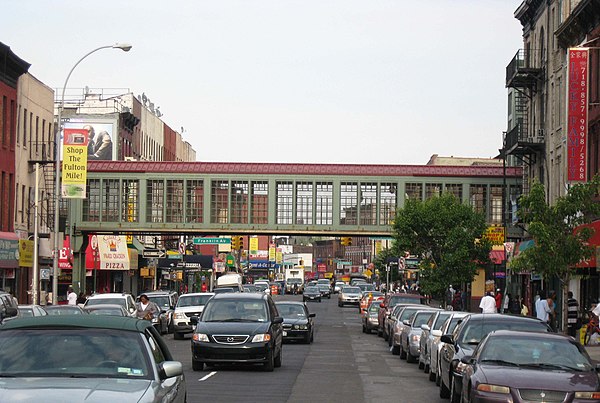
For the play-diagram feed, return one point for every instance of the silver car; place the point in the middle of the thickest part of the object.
(80, 358)
(349, 295)
(434, 323)
(411, 335)
(188, 305)
(399, 326)
(436, 346)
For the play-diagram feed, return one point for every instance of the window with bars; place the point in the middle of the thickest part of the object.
(387, 203)
(285, 202)
(455, 189)
(91, 204)
(478, 198)
(324, 206)
(414, 191)
(259, 209)
(304, 203)
(195, 201)
(432, 190)
(110, 200)
(348, 203)
(219, 202)
(239, 202)
(174, 202)
(155, 192)
(496, 204)
(368, 203)
(130, 203)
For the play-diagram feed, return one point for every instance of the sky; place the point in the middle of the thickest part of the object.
(297, 81)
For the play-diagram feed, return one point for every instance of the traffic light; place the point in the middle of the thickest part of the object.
(235, 242)
(346, 241)
(240, 242)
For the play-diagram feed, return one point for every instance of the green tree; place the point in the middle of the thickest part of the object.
(447, 235)
(381, 263)
(559, 241)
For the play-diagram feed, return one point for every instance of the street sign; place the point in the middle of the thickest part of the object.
(211, 241)
(153, 253)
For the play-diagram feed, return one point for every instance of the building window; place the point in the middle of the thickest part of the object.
(387, 203)
(130, 202)
(219, 202)
(324, 206)
(496, 204)
(368, 203)
(174, 203)
(4, 121)
(260, 203)
(285, 202)
(195, 201)
(304, 203)
(478, 197)
(432, 190)
(37, 133)
(25, 127)
(239, 202)
(455, 189)
(91, 204)
(349, 203)
(155, 195)
(110, 200)
(414, 191)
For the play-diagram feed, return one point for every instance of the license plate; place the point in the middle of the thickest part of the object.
(284, 334)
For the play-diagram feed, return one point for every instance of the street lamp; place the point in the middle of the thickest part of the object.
(57, 192)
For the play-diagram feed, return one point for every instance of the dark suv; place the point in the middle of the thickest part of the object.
(240, 328)
(8, 308)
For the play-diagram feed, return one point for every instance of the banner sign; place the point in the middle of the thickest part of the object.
(272, 251)
(253, 244)
(495, 235)
(25, 253)
(74, 167)
(577, 114)
(113, 252)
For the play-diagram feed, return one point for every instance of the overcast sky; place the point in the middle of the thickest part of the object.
(327, 81)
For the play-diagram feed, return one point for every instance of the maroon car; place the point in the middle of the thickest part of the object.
(513, 366)
(388, 304)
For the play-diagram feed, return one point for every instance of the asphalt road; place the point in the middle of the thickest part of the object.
(341, 365)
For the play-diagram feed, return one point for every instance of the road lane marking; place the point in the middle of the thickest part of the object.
(207, 376)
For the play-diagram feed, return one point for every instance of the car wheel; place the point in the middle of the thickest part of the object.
(340, 304)
(395, 350)
(444, 391)
(178, 336)
(402, 353)
(319, 300)
(329, 297)
(438, 376)
(454, 396)
(270, 364)
(197, 365)
(170, 327)
(432, 376)
(364, 328)
(421, 365)
(308, 338)
(410, 358)
(277, 361)
(379, 332)
(426, 368)
(312, 337)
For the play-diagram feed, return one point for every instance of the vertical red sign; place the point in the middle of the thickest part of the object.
(577, 115)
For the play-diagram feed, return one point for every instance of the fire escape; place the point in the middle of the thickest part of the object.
(44, 154)
(523, 140)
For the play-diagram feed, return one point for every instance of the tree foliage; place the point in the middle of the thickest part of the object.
(381, 262)
(448, 237)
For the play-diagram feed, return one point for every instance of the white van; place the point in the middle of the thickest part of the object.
(230, 280)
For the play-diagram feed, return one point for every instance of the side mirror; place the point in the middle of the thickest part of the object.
(436, 333)
(597, 366)
(425, 327)
(194, 320)
(467, 359)
(277, 319)
(170, 369)
(447, 338)
(11, 312)
(312, 315)
(406, 322)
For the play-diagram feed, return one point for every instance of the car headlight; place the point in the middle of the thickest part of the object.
(200, 337)
(587, 395)
(259, 338)
(154, 320)
(300, 327)
(179, 315)
(486, 387)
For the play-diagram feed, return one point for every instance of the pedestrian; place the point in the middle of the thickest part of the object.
(506, 302)
(542, 311)
(573, 321)
(145, 308)
(524, 308)
(81, 298)
(457, 301)
(488, 304)
(552, 306)
(450, 295)
(71, 296)
(498, 298)
(514, 305)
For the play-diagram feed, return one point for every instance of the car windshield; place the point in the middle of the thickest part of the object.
(310, 289)
(407, 313)
(105, 311)
(104, 301)
(222, 290)
(323, 287)
(374, 307)
(63, 310)
(26, 312)
(193, 300)
(73, 352)
(161, 300)
(474, 331)
(261, 286)
(535, 352)
(439, 321)
(291, 311)
(453, 323)
(421, 318)
(351, 290)
(238, 310)
(366, 287)
(402, 299)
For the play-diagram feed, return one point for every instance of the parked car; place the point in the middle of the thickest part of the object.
(28, 311)
(525, 367)
(467, 336)
(188, 306)
(391, 320)
(436, 345)
(298, 323)
(311, 293)
(349, 296)
(324, 290)
(124, 299)
(365, 287)
(64, 310)
(166, 301)
(238, 328)
(434, 323)
(401, 324)
(91, 358)
(388, 304)
(410, 337)
(369, 319)
(8, 307)
(106, 309)
(367, 298)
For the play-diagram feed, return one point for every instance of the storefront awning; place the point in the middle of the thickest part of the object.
(497, 256)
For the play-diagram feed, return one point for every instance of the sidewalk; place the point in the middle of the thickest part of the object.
(594, 352)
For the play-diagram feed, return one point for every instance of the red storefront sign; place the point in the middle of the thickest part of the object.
(577, 115)
(322, 268)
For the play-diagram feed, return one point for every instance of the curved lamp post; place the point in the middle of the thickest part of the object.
(57, 191)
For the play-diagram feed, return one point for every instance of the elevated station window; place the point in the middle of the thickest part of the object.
(368, 203)
(155, 193)
(432, 190)
(259, 210)
(285, 201)
(496, 204)
(91, 204)
(304, 203)
(130, 200)
(387, 203)
(324, 203)
(455, 189)
(239, 202)
(174, 200)
(349, 203)
(414, 191)
(110, 200)
(219, 202)
(478, 197)
(195, 201)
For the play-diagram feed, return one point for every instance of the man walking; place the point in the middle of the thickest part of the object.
(488, 304)
(572, 315)
(71, 296)
(542, 311)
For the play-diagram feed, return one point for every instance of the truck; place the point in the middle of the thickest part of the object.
(233, 280)
(294, 276)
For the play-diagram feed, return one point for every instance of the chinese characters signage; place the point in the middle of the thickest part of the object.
(577, 116)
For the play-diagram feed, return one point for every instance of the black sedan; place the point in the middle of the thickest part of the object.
(297, 321)
(311, 293)
(466, 337)
(511, 366)
(242, 328)
(325, 291)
